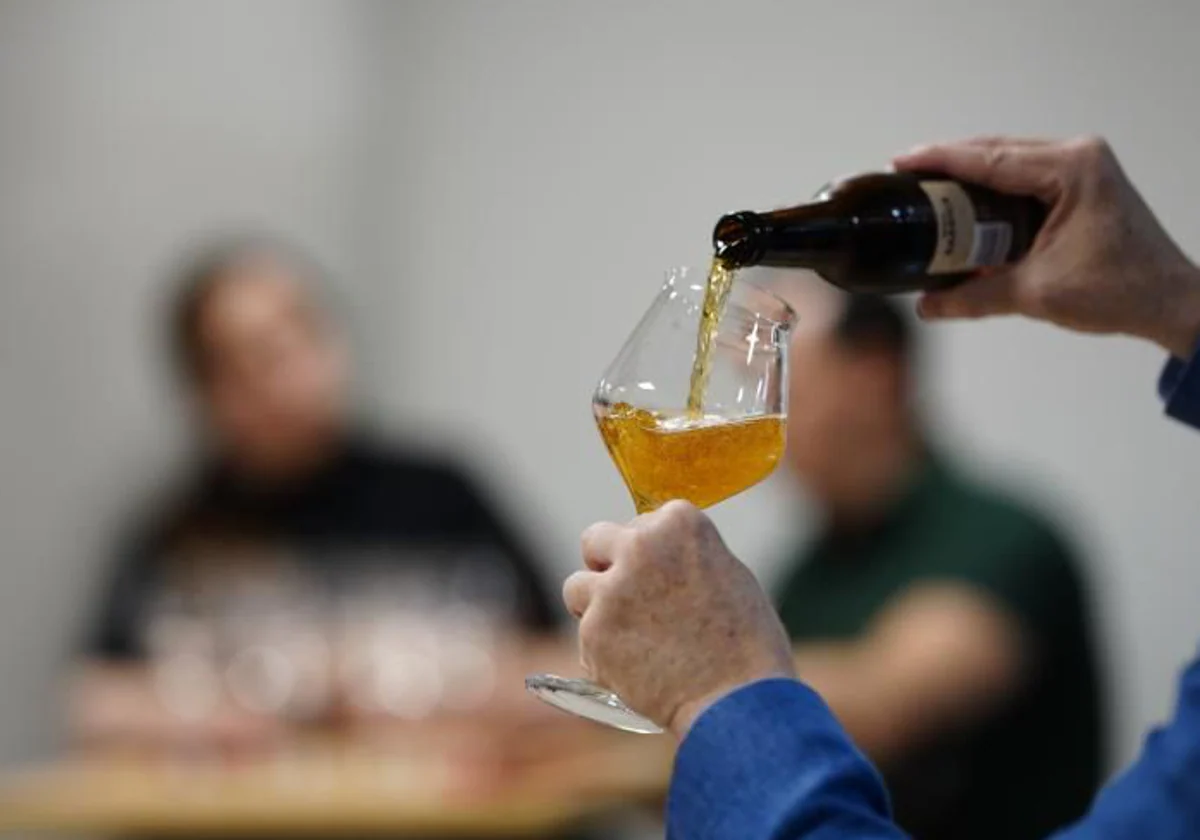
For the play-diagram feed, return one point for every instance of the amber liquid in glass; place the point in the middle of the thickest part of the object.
(703, 460)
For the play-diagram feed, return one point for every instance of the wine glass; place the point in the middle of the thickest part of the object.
(678, 429)
(184, 668)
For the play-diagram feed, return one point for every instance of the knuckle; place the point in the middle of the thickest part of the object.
(585, 540)
(599, 542)
(573, 594)
(674, 508)
(590, 534)
(1091, 149)
(681, 512)
(1041, 300)
(995, 158)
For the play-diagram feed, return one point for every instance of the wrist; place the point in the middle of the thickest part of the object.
(1179, 326)
(690, 711)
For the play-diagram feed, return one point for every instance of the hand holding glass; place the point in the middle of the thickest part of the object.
(663, 449)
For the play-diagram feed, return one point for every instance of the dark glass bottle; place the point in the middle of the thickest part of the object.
(887, 233)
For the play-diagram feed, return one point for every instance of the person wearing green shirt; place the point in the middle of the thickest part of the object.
(945, 624)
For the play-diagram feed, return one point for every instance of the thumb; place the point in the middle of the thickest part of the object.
(988, 293)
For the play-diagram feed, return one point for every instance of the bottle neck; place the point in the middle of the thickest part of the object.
(807, 236)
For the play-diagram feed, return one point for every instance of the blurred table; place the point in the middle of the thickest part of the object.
(335, 790)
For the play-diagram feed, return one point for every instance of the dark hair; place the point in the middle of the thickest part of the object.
(875, 324)
(196, 281)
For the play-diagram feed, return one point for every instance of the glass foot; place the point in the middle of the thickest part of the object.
(588, 700)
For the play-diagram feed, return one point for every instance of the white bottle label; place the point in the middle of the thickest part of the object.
(963, 243)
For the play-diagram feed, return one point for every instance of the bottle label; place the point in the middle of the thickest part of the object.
(963, 242)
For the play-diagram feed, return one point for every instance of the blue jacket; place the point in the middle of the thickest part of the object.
(769, 762)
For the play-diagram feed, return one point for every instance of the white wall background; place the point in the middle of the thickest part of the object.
(126, 128)
(500, 185)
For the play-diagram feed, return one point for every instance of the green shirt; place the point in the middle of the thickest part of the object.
(1034, 764)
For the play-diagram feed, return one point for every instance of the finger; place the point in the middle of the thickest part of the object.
(991, 293)
(598, 543)
(916, 158)
(577, 592)
(985, 140)
(587, 636)
(982, 141)
(672, 510)
(1015, 167)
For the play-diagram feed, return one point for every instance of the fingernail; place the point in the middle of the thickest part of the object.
(927, 309)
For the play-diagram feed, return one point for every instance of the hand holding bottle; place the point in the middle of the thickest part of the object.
(1101, 263)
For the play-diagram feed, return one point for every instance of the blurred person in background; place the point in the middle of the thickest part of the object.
(294, 509)
(945, 624)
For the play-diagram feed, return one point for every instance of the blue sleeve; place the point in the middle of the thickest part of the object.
(770, 762)
(1179, 387)
(1159, 796)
